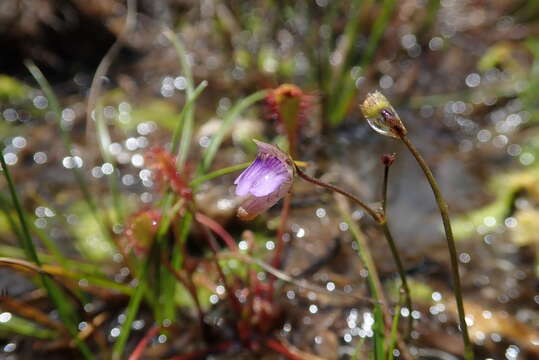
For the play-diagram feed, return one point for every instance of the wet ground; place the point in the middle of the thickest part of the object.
(462, 80)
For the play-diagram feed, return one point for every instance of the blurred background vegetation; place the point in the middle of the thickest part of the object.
(191, 76)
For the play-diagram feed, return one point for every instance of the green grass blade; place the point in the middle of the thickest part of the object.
(378, 30)
(89, 272)
(66, 137)
(372, 278)
(61, 302)
(394, 329)
(345, 96)
(153, 258)
(183, 58)
(21, 326)
(228, 120)
(6, 206)
(103, 139)
(351, 33)
(176, 261)
(187, 108)
(132, 310)
(187, 122)
(68, 145)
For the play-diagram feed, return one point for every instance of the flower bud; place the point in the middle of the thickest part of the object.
(381, 116)
(388, 159)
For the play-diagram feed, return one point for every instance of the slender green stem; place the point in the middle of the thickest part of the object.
(176, 262)
(374, 282)
(442, 205)
(187, 119)
(402, 274)
(143, 277)
(384, 189)
(395, 251)
(394, 329)
(187, 108)
(373, 213)
(132, 308)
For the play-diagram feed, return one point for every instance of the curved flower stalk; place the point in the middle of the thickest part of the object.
(270, 178)
(265, 182)
(383, 118)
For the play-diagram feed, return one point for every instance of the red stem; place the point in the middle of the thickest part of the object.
(276, 261)
(218, 229)
(139, 349)
(278, 347)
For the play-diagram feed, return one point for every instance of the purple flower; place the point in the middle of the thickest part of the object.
(265, 181)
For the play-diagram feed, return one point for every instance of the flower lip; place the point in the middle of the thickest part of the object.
(265, 181)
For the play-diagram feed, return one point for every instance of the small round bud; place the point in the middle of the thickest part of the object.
(388, 159)
(381, 116)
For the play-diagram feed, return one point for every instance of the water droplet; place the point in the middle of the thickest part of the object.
(5, 317)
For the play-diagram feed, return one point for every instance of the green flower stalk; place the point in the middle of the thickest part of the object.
(383, 118)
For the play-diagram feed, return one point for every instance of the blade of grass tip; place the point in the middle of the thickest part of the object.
(60, 300)
(183, 57)
(68, 145)
(186, 109)
(394, 329)
(187, 122)
(103, 138)
(228, 120)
